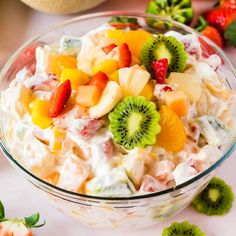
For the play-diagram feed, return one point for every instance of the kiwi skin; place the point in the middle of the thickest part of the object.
(182, 229)
(131, 130)
(216, 199)
(173, 49)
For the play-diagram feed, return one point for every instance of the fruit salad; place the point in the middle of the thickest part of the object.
(119, 111)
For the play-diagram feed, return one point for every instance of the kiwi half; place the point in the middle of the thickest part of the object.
(134, 122)
(159, 47)
(182, 229)
(216, 199)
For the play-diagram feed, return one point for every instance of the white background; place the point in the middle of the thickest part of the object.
(21, 198)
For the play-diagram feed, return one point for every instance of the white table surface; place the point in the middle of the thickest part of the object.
(21, 198)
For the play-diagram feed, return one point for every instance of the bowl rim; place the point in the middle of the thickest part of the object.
(3, 147)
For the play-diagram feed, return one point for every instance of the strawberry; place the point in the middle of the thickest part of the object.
(125, 56)
(221, 18)
(124, 22)
(59, 98)
(228, 4)
(108, 48)
(99, 80)
(18, 227)
(210, 32)
(160, 68)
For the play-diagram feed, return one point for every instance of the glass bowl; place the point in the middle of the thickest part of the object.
(125, 212)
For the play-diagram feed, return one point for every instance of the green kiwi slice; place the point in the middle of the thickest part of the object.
(134, 122)
(182, 229)
(160, 47)
(216, 199)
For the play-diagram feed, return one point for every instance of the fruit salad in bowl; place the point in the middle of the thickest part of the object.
(120, 124)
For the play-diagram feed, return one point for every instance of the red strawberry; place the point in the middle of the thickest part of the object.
(160, 68)
(59, 98)
(108, 48)
(228, 4)
(99, 80)
(214, 35)
(221, 18)
(125, 56)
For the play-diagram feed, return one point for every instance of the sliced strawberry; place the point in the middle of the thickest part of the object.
(160, 68)
(91, 128)
(108, 48)
(99, 80)
(228, 4)
(59, 98)
(125, 56)
(221, 18)
(214, 35)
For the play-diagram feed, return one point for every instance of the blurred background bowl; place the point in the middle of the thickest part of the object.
(62, 6)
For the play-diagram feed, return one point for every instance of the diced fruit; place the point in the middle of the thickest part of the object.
(99, 80)
(115, 76)
(58, 136)
(107, 66)
(133, 80)
(172, 136)
(148, 90)
(87, 95)
(59, 98)
(39, 114)
(177, 101)
(25, 98)
(125, 56)
(135, 61)
(108, 48)
(135, 39)
(76, 77)
(111, 95)
(160, 68)
(56, 63)
(188, 83)
(53, 178)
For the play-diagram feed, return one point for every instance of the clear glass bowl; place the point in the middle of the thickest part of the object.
(126, 212)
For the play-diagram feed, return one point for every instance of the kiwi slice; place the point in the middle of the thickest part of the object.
(216, 199)
(134, 122)
(182, 229)
(159, 47)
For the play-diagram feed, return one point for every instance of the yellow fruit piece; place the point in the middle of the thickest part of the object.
(58, 137)
(177, 101)
(172, 136)
(107, 66)
(87, 95)
(53, 178)
(189, 84)
(134, 38)
(56, 63)
(148, 90)
(77, 77)
(135, 61)
(115, 76)
(25, 98)
(39, 114)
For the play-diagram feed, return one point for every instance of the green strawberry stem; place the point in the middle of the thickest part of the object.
(2, 212)
(230, 34)
(203, 24)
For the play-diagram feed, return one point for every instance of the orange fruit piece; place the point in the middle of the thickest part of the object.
(172, 136)
(134, 38)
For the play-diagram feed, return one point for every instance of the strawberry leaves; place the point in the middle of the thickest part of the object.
(2, 212)
(31, 221)
(230, 34)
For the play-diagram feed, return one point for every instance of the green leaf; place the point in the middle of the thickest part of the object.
(31, 221)
(230, 34)
(2, 212)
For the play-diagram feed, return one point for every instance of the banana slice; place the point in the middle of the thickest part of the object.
(111, 95)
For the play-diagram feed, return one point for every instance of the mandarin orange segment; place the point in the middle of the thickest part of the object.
(172, 136)
(135, 39)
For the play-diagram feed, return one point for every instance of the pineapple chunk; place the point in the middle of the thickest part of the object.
(115, 76)
(76, 77)
(133, 80)
(39, 114)
(107, 66)
(111, 95)
(177, 101)
(148, 90)
(188, 83)
(58, 136)
(25, 98)
(87, 95)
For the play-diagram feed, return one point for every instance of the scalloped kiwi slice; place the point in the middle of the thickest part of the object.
(134, 122)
